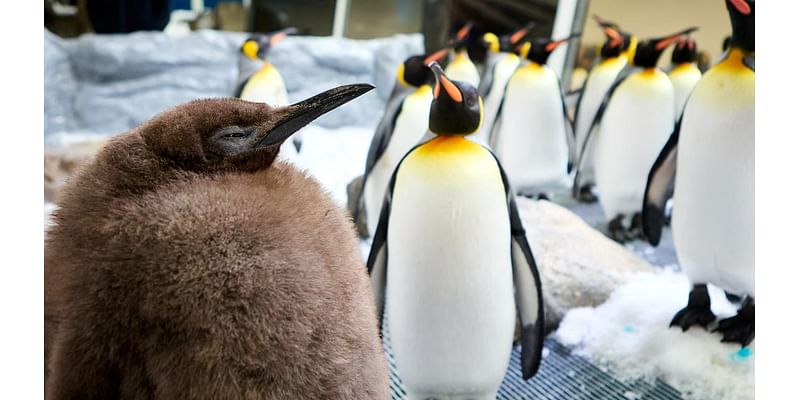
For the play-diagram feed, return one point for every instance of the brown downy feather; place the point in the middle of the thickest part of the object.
(169, 275)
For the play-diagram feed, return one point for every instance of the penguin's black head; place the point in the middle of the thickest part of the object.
(232, 134)
(649, 51)
(685, 51)
(617, 40)
(414, 70)
(456, 108)
(743, 23)
(257, 46)
(539, 49)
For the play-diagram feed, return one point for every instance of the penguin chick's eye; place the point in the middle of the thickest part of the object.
(232, 132)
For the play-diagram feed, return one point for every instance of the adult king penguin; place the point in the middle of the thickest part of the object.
(186, 263)
(615, 54)
(501, 62)
(531, 136)
(404, 123)
(450, 256)
(260, 81)
(632, 124)
(461, 68)
(684, 72)
(712, 170)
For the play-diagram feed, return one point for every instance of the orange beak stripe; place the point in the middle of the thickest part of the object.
(741, 6)
(518, 35)
(552, 45)
(616, 39)
(663, 43)
(450, 88)
(436, 56)
(277, 38)
(462, 33)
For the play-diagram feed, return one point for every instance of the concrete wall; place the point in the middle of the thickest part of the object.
(649, 18)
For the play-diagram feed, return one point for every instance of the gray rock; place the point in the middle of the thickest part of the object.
(106, 84)
(579, 266)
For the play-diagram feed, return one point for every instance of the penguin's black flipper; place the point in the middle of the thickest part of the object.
(621, 77)
(660, 184)
(382, 136)
(570, 130)
(378, 257)
(498, 121)
(527, 288)
(485, 85)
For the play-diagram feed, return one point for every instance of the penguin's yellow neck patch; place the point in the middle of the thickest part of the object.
(423, 90)
(450, 161)
(461, 57)
(448, 145)
(734, 62)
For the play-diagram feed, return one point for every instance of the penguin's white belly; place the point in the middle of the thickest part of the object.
(684, 78)
(462, 69)
(713, 220)
(266, 86)
(531, 142)
(450, 288)
(636, 125)
(599, 81)
(410, 126)
(502, 73)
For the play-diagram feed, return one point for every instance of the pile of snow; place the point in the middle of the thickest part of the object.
(629, 335)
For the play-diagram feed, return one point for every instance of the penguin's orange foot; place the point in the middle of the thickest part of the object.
(697, 311)
(586, 196)
(741, 328)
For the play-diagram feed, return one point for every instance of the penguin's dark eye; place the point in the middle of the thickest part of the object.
(232, 132)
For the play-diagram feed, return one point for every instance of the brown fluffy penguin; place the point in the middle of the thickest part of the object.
(185, 264)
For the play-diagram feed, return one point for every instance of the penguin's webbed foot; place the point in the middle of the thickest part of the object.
(697, 311)
(616, 230)
(741, 328)
(586, 196)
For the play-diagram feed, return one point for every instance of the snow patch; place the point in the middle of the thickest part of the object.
(629, 333)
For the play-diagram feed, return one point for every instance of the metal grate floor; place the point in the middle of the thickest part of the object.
(561, 376)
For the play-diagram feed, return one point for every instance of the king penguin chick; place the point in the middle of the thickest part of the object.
(531, 136)
(615, 54)
(186, 264)
(461, 68)
(450, 255)
(404, 123)
(631, 126)
(260, 81)
(684, 72)
(501, 62)
(710, 162)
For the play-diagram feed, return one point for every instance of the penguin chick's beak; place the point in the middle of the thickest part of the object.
(665, 42)
(443, 82)
(301, 114)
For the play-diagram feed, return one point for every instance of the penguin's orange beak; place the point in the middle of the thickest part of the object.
(278, 37)
(300, 114)
(443, 82)
(616, 38)
(665, 42)
(462, 33)
(437, 55)
(741, 6)
(519, 34)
